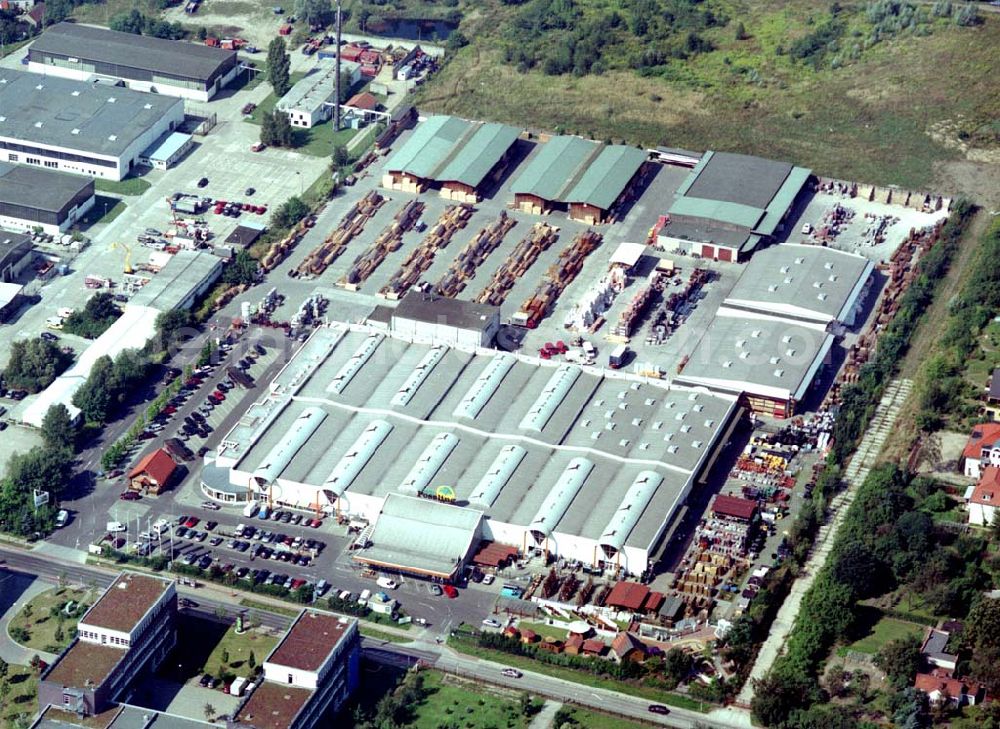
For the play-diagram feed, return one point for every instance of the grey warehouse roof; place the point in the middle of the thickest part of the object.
(738, 178)
(762, 355)
(37, 187)
(448, 149)
(79, 115)
(174, 58)
(184, 272)
(433, 309)
(809, 283)
(506, 433)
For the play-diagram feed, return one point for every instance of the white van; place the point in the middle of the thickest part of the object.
(251, 509)
(61, 518)
(387, 582)
(115, 527)
(363, 597)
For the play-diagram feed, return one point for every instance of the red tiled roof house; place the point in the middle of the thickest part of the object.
(152, 473)
(981, 450)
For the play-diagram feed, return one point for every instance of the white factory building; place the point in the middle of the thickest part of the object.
(310, 101)
(80, 127)
(585, 463)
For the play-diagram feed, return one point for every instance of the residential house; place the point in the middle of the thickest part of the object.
(982, 449)
(983, 498)
(627, 647)
(593, 647)
(933, 649)
(630, 596)
(574, 644)
(942, 689)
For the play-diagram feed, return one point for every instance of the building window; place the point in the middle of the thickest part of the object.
(51, 164)
(33, 161)
(12, 157)
(290, 678)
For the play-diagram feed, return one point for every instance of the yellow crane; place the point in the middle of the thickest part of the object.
(118, 245)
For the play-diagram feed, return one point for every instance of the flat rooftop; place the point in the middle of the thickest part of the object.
(801, 281)
(309, 642)
(500, 430)
(433, 309)
(764, 355)
(169, 57)
(273, 706)
(78, 115)
(126, 602)
(39, 189)
(184, 272)
(739, 178)
(85, 664)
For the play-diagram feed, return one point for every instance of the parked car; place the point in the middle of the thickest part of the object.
(511, 673)
(130, 496)
(435, 589)
(210, 505)
(450, 591)
(658, 709)
(387, 582)
(191, 522)
(491, 623)
(203, 182)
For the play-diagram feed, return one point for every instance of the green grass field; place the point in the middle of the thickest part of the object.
(885, 631)
(586, 718)
(22, 701)
(239, 648)
(456, 702)
(105, 210)
(128, 186)
(870, 120)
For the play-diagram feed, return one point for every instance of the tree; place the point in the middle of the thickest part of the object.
(341, 157)
(859, 569)
(4, 669)
(314, 12)
(741, 31)
(131, 22)
(457, 40)
(243, 270)
(776, 696)
(225, 657)
(57, 427)
(34, 364)
(527, 705)
(676, 665)
(276, 130)
(900, 659)
(209, 711)
(278, 66)
(172, 327)
(252, 661)
(289, 213)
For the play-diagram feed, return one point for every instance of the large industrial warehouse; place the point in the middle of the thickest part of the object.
(771, 361)
(75, 126)
(730, 204)
(590, 466)
(173, 68)
(32, 197)
(587, 178)
(811, 284)
(457, 156)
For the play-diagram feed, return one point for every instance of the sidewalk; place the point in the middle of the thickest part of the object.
(13, 652)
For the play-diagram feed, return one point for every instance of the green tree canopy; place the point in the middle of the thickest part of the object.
(278, 66)
(34, 364)
(58, 430)
(900, 659)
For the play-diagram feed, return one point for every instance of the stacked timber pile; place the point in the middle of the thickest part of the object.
(390, 239)
(557, 278)
(470, 258)
(349, 227)
(420, 259)
(277, 252)
(540, 238)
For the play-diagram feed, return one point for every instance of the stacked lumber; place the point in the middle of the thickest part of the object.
(540, 238)
(350, 227)
(470, 258)
(389, 240)
(453, 219)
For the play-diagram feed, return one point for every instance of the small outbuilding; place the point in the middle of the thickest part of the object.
(153, 473)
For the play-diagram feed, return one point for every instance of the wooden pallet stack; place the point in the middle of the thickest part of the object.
(389, 240)
(470, 258)
(277, 252)
(349, 227)
(540, 238)
(557, 278)
(453, 219)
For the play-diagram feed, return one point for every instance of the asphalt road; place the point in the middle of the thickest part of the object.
(216, 607)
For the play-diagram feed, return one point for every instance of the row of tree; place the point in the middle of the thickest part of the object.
(137, 23)
(97, 315)
(34, 364)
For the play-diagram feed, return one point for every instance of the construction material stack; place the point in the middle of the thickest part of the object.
(389, 240)
(349, 227)
(556, 279)
(453, 219)
(464, 267)
(539, 239)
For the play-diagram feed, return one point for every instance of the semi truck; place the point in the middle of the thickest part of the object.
(617, 357)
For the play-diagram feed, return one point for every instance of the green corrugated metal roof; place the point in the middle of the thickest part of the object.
(446, 148)
(554, 168)
(783, 200)
(726, 212)
(473, 160)
(428, 146)
(607, 176)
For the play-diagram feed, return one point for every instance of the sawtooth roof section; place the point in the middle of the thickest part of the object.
(607, 176)
(448, 149)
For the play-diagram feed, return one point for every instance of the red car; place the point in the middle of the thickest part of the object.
(192, 522)
(219, 395)
(450, 591)
(170, 410)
